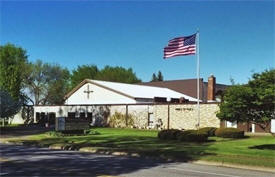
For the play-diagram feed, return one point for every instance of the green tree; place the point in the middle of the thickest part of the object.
(47, 83)
(8, 105)
(36, 80)
(263, 105)
(83, 72)
(12, 66)
(160, 76)
(253, 102)
(155, 78)
(58, 86)
(117, 74)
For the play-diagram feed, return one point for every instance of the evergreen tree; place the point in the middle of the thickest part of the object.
(160, 76)
(154, 78)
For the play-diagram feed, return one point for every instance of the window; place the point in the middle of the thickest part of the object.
(52, 118)
(151, 120)
(38, 116)
(71, 114)
(82, 115)
(90, 116)
(42, 118)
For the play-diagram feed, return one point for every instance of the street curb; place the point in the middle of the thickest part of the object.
(123, 153)
(13, 143)
(96, 151)
(108, 152)
(246, 167)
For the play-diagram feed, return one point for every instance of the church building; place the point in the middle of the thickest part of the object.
(173, 103)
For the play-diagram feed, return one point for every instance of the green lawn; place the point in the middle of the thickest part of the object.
(257, 151)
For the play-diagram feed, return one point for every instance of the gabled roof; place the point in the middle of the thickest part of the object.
(134, 90)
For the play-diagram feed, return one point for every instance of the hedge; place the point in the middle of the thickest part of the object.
(229, 133)
(187, 135)
(170, 134)
(193, 136)
(209, 130)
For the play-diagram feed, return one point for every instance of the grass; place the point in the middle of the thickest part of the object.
(12, 125)
(254, 151)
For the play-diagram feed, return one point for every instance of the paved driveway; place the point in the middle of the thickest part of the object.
(33, 161)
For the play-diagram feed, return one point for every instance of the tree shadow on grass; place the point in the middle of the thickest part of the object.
(264, 147)
(142, 145)
(210, 139)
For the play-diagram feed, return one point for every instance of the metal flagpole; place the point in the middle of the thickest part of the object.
(198, 77)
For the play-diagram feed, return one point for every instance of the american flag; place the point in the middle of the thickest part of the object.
(180, 46)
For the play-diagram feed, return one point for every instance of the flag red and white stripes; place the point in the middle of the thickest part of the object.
(180, 46)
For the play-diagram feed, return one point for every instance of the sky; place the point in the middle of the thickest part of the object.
(236, 37)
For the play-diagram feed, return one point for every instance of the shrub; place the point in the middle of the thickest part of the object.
(171, 134)
(193, 136)
(118, 120)
(208, 130)
(187, 135)
(229, 133)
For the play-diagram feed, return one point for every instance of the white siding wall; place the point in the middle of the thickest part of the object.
(98, 96)
(273, 125)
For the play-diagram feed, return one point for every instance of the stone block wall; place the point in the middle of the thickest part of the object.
(161, 113)
(140, 115)
(184, 116)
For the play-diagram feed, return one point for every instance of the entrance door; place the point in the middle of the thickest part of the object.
(52, 118)
(90, 117)
(151, 120)
(253, 128)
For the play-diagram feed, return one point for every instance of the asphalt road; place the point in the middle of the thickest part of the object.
(33, 161)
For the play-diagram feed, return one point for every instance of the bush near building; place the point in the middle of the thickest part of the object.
(171, 134)
(229, 133)
(119, 120)
(200, 135)
(209, 130)
(193, 136)
(187, 135)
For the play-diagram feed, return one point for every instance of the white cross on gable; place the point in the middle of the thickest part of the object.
(88, 91)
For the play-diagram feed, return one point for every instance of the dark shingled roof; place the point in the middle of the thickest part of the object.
(187, 86)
